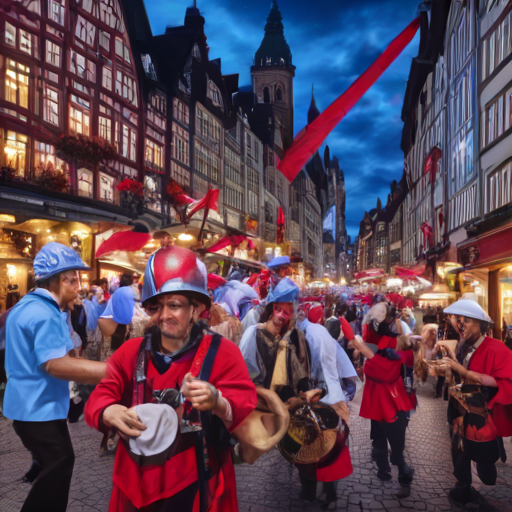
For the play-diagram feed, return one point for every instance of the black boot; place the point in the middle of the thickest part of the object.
(405, 474)
(32, 473)
(329, 502)
(308, 491)
(463, 495)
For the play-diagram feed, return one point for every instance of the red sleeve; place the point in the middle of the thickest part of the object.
(116, 387)
(231, 376)
(347, 330)
(495, 359)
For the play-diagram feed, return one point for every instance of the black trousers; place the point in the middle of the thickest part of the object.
(50, 444)
(381, 433)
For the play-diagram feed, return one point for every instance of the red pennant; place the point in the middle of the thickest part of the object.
(234, 241)
(309, 139)
(130, 241)
(210, 201)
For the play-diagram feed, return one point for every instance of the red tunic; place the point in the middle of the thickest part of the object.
(493, 358)
(384, 391)
(135, 486)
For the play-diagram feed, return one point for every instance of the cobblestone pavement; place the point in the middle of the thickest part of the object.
(273, 485)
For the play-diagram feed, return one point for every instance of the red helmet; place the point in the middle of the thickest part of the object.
(174, 270)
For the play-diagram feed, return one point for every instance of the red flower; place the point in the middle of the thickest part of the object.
(130, 185)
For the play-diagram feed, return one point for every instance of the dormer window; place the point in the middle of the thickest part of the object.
(269, 60)
(279, 96)
(213, 92)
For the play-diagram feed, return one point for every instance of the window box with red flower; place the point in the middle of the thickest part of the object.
(131, 196)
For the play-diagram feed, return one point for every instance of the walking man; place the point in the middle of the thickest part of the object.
(38, 370)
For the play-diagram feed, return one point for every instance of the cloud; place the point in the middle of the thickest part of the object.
(332, 43)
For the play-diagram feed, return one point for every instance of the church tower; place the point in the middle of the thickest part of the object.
(273, 72)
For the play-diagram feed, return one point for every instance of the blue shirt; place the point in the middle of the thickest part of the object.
(120, 306)
(36, 332)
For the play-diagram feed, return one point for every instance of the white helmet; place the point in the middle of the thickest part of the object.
(469, 308)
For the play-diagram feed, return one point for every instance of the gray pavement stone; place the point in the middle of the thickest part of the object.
(271, 484)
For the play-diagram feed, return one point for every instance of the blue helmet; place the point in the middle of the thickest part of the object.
(280, 261)
(285, 291)
(55, 258)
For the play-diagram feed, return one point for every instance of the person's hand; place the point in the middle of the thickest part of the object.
(203, 395)
(313, 395)
(353, 344)
(124, 420)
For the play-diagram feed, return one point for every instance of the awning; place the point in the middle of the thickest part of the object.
(488, 249)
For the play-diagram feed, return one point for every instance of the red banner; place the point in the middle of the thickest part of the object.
(309, 139)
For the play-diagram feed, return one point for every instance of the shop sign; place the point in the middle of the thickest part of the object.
(21, 199)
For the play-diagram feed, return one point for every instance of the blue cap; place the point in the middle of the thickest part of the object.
(55, 258)
(285, 291)
(279, 262)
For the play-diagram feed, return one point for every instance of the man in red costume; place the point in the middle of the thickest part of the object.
(386, 401)
(483, 366)
(209, 380)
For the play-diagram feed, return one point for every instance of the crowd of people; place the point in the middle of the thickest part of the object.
(186, 373)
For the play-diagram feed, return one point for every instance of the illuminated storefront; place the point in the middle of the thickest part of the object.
(487, 261)
(20, 242)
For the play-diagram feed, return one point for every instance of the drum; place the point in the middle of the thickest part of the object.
(312, 433)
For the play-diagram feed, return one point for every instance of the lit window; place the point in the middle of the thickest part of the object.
(15, 150)
(154, 155)
(79, 115)
(105, 128)
(51, 105)
(44, 156)
(85, 182)
(126, 140)
(16, 83)
(10, 34)
(52, 53)
(106, 188)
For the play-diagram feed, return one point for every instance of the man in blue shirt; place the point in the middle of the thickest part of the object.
(39, 370)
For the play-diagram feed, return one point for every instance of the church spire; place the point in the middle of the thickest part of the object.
(313, 111)
(274, 50)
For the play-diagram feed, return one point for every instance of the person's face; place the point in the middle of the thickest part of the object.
(69, 285)
(282, 314)
(469, 328)
(174, 315)
(301, 315)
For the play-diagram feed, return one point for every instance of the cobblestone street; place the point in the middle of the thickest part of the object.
(271, 484)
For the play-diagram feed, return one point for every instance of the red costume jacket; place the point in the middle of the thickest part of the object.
(384, 391)
(493, 358)
(134, 486)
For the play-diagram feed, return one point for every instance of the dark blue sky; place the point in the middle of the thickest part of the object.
(332, 43)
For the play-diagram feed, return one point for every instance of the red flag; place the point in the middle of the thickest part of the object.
(130, 241)
(233, 240)
(309, 139)
(280, 226)
(210, 201)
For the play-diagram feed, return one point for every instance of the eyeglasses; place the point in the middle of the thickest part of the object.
(285, 312)
(174, 306)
